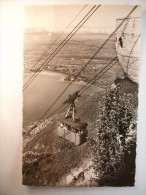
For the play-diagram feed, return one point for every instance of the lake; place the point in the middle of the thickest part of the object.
(44, 90)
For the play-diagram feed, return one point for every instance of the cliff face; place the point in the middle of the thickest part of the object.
(128, 47)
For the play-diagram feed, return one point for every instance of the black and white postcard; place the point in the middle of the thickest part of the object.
(80, 94)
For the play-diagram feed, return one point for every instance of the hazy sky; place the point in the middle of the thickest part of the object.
(57, 17)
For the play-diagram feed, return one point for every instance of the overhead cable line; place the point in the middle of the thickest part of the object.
(62, 44)
(89, 61)
(88, 83)
(126, 24)
(58, 37)
(82, 68)
(94, 79)
(131, 52)
(100, 72)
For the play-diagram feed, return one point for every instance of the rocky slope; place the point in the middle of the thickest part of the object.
(49, 160)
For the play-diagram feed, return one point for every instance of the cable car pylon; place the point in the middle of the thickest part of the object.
(72, 108)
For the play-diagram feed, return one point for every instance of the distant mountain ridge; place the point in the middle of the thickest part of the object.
(51, 31)
(37, 30)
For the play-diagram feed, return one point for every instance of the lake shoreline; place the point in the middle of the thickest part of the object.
(64, 76)
(50, 85)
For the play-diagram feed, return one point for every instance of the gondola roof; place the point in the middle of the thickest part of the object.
(75, 124)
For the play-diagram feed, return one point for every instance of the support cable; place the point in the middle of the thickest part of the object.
(89, 61)
(131, 52)
(82, 70)
(96, 77)
(61, 45)
(58, 37)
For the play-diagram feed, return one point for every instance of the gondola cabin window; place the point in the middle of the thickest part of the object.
(72, 131)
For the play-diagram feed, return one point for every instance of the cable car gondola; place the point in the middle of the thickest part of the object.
(71, 128)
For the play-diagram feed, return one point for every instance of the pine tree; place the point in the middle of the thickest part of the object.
(108, 147)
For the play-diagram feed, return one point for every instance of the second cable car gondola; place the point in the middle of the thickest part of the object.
(72, 128)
